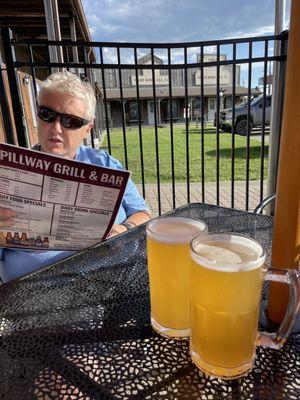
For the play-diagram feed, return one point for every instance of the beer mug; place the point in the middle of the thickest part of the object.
(227, 273)
(169, 273)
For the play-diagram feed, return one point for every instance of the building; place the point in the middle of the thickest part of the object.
(126, 105)
(36, 19)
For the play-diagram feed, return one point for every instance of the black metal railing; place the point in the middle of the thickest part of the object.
(118, 82)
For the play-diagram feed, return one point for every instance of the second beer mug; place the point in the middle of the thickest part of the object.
(169, 273)
(227, 272)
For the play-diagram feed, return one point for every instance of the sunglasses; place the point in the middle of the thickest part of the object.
(68, 121)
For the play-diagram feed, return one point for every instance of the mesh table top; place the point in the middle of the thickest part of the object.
(80, 329)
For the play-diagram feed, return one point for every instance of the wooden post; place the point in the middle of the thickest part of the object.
(286, 235)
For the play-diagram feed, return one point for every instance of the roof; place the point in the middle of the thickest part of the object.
(147, 59)
(163, 92)
(27, 18)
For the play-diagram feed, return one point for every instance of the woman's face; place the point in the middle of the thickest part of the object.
(55, 138)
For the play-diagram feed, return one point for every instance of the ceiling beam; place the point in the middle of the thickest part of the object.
(29, 15)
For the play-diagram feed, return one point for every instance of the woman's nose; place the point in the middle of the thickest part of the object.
(57, 124)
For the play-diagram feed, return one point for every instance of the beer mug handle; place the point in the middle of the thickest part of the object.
(291, 277)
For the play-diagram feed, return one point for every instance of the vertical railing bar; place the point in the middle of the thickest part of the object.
(202, 127)
(171, 129)
(262, 149)
(156, 132)
(122, 104)
(50, 62)
(187, 127)
(87, 61)
(139, 118)
(32, 71)
(218, 129)
(66, 55)
(248, 127)
(233, 124)
(105, 100)
(49, 58)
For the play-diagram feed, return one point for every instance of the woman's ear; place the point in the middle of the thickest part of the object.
(88, 129)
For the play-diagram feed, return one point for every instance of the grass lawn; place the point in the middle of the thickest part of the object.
(164, 150)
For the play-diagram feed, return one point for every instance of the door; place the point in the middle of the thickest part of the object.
(211, 109)
(150, 106)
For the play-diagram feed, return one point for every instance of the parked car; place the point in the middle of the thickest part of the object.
(241, 112)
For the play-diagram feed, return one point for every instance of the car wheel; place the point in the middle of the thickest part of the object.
(241, 127)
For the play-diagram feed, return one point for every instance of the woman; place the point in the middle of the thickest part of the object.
(66, 110)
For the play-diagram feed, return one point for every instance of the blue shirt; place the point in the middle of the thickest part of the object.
(15, 263)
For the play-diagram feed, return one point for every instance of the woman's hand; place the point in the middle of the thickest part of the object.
(116, 229)
(134, 220)
(6, 217)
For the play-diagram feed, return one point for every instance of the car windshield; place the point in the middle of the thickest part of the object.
(256, 100)
(243, 104)
(252, 103)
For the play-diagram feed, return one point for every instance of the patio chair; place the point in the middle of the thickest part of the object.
(264, 203)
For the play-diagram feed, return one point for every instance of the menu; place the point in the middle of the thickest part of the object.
(49, 202)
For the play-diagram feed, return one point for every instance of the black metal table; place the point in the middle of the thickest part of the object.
(80, 329)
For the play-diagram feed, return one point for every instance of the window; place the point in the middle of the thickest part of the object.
(164, 72)
(133, 110)
(111, 78)
(151, 107)
(268, 102)
(197, 102)
(174, 109)
(197, 107)
(211, 103)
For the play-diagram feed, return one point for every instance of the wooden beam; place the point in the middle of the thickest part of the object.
(53, 29)
(286, 236)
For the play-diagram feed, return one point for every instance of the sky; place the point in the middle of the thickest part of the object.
(169, 21)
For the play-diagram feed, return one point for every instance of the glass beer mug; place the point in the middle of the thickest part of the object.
(227, 273)
(168, 242)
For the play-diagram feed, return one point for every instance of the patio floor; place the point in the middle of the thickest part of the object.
(196, 195)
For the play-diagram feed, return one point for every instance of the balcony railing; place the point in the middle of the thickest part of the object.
(163, 85)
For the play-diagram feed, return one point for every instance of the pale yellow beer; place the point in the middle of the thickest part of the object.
(226, 274)
(169, 273)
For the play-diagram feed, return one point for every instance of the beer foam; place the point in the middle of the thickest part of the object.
(227, 253)
(175, 229)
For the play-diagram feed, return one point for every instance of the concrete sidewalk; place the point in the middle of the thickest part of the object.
(166, 195)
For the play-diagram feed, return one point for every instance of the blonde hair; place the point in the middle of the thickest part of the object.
(69, 83)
